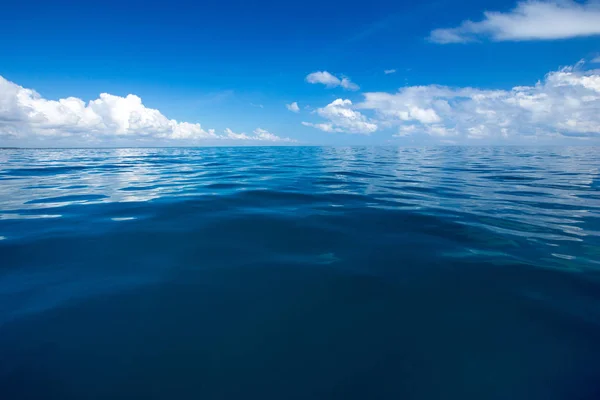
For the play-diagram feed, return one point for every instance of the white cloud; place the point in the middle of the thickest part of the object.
(324, 78)
(25, 113)
(229, 134)
(389, 71)
(343, 119)
(325, 127)
(347, 84)
(293, 107)
(565, 103)
(26, 116)
(259, 135)
(529, 20)
(596, 60)
(406, 130)
(331, 81)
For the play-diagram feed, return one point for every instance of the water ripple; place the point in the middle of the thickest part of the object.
(507, 236)
(549, 194)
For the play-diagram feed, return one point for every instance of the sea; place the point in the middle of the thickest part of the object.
(300, 273)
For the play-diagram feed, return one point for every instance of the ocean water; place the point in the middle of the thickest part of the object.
(300, 273)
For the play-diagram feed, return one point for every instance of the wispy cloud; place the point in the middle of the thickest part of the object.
(389, 71)
(257, 105)
(529, 20)
(325, 127)
(596, 60)
(331, 81)
(293, 107)
(259, 134)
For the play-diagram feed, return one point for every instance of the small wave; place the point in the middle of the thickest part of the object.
(68, 199)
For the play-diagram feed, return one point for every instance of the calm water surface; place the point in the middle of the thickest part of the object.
(300, 273)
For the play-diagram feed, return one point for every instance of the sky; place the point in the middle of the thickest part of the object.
(143, 73)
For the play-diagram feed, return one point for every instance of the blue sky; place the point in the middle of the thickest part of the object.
(236, 64)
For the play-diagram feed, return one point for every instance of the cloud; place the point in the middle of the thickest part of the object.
(26, 116)
(324, 78)
(331, 81)
(325, 127)
(229, 134)
(565, 103)
(347, 84)
(389, 71)
(25, 113)
(342, 118)
(529, 20)
(259, 135)
(596, 60)
(293, 107)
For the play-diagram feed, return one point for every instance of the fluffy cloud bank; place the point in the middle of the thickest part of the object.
(342, 118)
(529, 20)
(331, 81)
(565, 103)
(23, 112)
(26, 115)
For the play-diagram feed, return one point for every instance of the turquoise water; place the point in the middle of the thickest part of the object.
(300, 273)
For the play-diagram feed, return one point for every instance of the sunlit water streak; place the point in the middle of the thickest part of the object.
(300, 272)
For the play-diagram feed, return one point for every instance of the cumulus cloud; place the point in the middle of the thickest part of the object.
(331, 81)
(389, 71)
(261, 135)
(343, 118)
(529, 20)
(565, 103)
(25, 116)
(25, 113)
(293, 107)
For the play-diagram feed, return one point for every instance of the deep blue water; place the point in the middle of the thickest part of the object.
(300, 273)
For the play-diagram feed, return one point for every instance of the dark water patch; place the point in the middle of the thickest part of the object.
(71, 187)
(511, 178)
(304, 333)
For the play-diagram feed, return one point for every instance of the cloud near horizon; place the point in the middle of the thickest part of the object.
(343, 118)
(566, 103)
(529, 20)
(26, 115)
(259, 135)
(331, 81)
